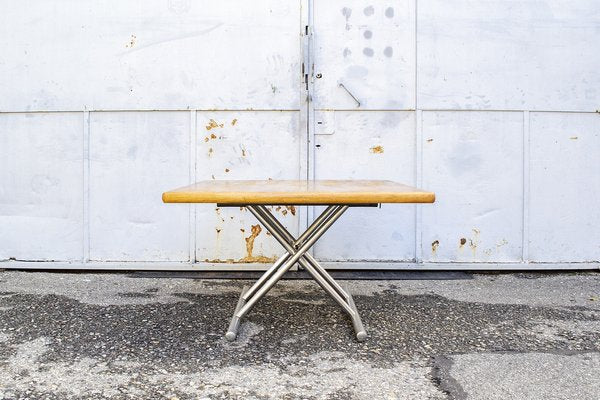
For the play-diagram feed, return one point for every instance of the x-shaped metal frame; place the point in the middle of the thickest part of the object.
(296, 252)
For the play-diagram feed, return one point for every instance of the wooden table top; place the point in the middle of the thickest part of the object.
(298, 192)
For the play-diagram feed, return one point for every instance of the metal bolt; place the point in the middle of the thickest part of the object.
(319, 75)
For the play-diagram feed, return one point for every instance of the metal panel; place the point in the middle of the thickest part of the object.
(134, 157)
(369, 48)
(473, 161)
(42, 188)
(509, 55)
(565, 187)
(368, 145)
(244, 145)
(149, 54)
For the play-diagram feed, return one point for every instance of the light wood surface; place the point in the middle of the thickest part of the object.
(281, 192)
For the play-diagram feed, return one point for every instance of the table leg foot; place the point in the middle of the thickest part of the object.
(361, 333)
(234, 325)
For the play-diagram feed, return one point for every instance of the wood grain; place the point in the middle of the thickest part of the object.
(296, 192)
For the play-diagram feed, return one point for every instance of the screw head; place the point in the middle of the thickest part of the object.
(319, 75)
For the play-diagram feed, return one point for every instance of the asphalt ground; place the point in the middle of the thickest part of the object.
(120, 336)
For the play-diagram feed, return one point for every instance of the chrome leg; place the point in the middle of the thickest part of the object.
(307, 257)
(292, 260)
(234, 325)
(311, 229)
(296, 252)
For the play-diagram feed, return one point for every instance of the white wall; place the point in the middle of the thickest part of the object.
(491, 104)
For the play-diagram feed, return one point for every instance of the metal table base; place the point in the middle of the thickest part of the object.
(296, 252)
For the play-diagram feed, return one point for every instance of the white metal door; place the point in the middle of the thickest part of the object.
(364, 119)
(105, 105)
(491, 104)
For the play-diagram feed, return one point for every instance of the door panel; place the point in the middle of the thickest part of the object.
(244, 145)
(368, 145)
(134, 157)
(509, 55)
(369, 48)
(41, 217)
(565, 187)
(149, 54)
(474, 162)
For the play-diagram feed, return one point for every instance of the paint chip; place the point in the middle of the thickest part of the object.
(213, 124)
(132, 42)
(377, 149)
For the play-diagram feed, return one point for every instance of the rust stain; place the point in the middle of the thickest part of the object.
(463, 241)
(218, 230)
(434, 246)
(226, 169)
(213, 124)
(243, 152)
(256, 229)
(377, 149)
(284, 212)
(242, 230)
(250, 258)
(206, 139)
(213, 136)
(210, 151)
(292, 209)
(245, 260)
(233, 122)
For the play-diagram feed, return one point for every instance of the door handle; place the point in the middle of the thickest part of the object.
(340, 84)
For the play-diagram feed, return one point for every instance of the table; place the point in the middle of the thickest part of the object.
(336, 195)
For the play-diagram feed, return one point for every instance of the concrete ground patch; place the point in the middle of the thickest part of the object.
(543, 376)
(92, 336)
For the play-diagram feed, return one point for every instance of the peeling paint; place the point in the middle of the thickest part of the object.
(434, 246)
(212, 124)
(377, 149)
(131, 42)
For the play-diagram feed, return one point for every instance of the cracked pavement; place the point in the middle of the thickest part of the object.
(119, 336)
